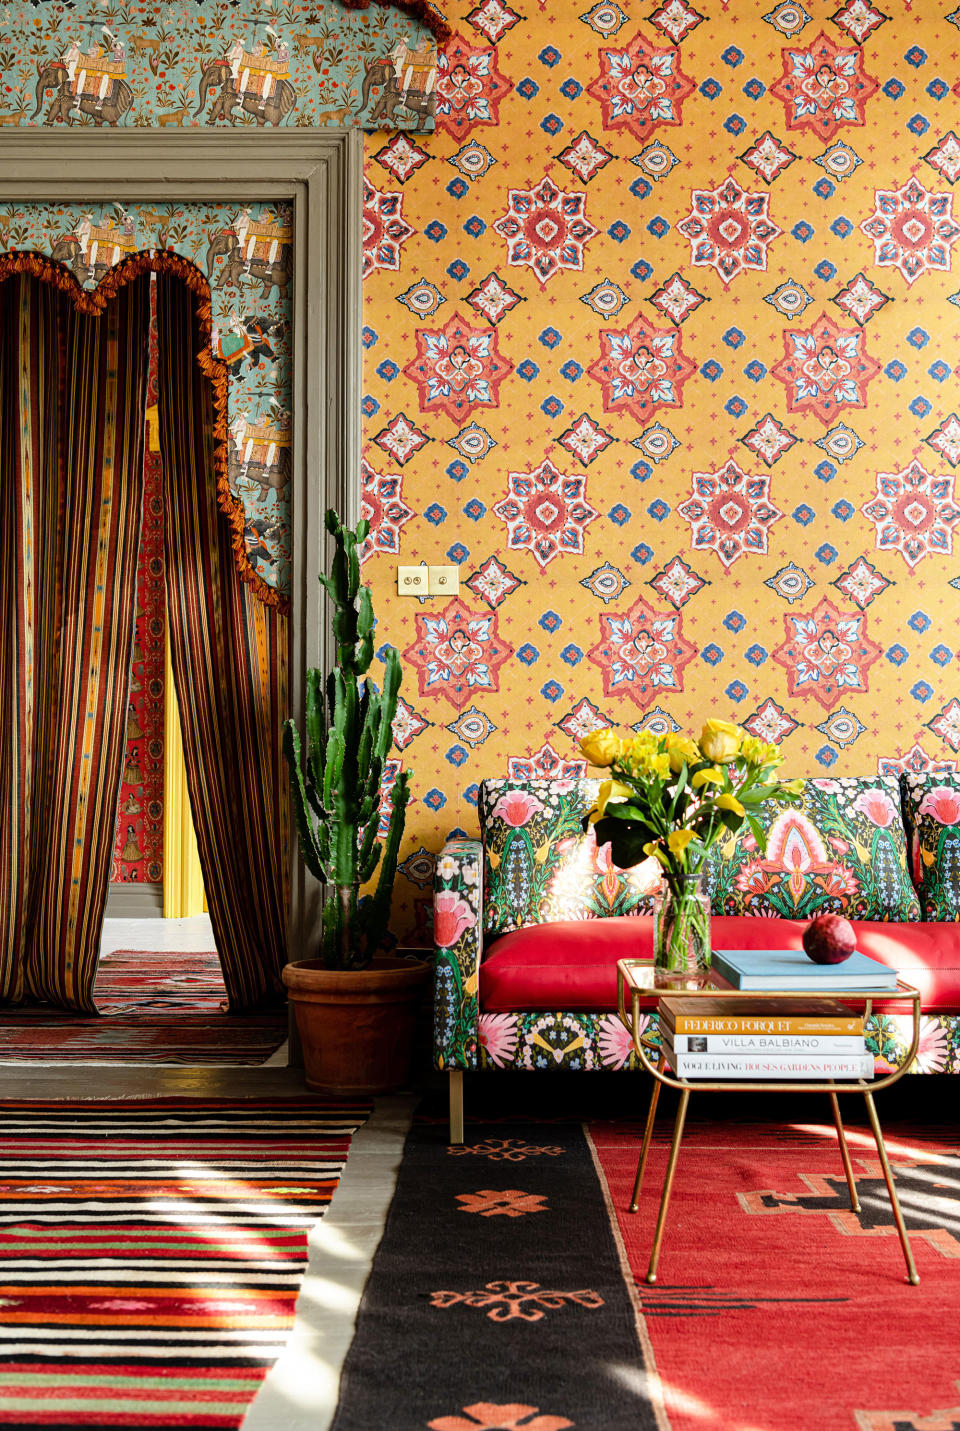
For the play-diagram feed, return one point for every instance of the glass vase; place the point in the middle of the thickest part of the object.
(681, 933)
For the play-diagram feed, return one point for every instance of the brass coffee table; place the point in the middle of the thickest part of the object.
(636, 984)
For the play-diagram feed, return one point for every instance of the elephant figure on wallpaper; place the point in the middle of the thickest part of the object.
(380, 72)
(218, 75)
(225, 244)
(67, 251)
(108, 111)
(269, 479)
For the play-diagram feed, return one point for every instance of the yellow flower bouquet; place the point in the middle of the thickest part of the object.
(672, 797)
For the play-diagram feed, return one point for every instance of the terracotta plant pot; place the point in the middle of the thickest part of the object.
(356, 1026)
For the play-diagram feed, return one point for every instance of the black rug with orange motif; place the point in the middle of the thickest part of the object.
(497, 1296)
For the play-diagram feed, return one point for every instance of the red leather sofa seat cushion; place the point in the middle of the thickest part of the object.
(573, 965)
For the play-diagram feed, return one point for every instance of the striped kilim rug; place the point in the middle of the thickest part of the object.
(156, 1007)
(151, 1253)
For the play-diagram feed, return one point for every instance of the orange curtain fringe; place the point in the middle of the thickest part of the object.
(94, 303)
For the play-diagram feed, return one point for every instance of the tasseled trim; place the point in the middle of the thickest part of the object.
(416, 9)
(94, 303)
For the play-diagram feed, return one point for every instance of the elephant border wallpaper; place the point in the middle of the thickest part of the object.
(663, 357)
(133, 62)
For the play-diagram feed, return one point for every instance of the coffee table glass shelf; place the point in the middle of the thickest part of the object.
(638, 986)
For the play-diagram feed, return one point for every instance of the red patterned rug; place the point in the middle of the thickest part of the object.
(151, 1253)
(155, 1007)
(776, 1308)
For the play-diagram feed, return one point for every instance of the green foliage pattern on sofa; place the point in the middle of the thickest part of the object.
(844, 850)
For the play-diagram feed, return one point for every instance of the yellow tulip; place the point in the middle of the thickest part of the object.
(720, 741)
(794, 787)
(601, 747)
(710, 776)
(678, 840)
(730, 802)
(682, 751)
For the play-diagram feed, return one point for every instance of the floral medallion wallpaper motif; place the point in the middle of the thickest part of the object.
(660, 353)
(247, 255)
(139, 64)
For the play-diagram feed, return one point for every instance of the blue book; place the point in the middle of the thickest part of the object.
(791, 969)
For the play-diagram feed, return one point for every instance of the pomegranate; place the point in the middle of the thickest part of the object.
(829, 939)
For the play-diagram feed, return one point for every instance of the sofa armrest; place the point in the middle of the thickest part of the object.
(458, 940)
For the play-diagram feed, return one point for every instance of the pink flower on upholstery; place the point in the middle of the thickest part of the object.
(451, 916)
(836, 882)
(755, 879)
(614, 1042)
(517, 807)
(498, 1037)
(795, 844)
(877, 806)
(841, 846)
(943, 804)
(932, 1049)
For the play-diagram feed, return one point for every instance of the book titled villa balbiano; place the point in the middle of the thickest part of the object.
(764, 1043)
(813, 1067)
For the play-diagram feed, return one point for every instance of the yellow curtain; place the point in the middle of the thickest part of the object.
(182, 878)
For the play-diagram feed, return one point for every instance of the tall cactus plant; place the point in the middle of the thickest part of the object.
(337, 780)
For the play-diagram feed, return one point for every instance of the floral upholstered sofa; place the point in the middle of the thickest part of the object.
(531, 918)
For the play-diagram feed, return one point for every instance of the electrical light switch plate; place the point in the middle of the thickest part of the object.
(412, 580)
(444, 581)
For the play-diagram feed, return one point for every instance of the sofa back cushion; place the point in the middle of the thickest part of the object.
(931, 811)
(842, 850)
(540, 867)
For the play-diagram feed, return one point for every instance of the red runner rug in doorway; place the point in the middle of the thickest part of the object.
(156, 1007)
(151, 1252)
(776, 1308)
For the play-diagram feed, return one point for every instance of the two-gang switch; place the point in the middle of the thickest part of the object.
(412, 580)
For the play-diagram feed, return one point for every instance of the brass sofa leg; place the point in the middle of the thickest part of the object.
(456, 1105)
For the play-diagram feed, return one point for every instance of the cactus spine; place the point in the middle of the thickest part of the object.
(337, 780)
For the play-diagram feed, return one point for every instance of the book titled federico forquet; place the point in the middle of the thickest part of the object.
(772, 1017)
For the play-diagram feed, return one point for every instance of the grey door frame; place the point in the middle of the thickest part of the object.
(321, 173)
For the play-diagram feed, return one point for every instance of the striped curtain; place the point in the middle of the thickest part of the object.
(72, 398)
(229, 664)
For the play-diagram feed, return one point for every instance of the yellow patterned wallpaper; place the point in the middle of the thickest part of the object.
(660, 330)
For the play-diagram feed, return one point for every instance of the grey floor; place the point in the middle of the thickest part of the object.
(300, 1392)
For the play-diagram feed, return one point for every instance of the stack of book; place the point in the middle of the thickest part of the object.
(718, 1038)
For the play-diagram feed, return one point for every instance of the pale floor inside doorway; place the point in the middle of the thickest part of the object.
(300, 1392)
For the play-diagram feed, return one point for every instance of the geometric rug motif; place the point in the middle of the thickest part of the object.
(151, 1252)
(775, 1305)
(154, 1007)
(497, 1297)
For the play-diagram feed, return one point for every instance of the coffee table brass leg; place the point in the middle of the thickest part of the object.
(645, 1145)
(912, 1274)
(668, 1185)
(845, 1153)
